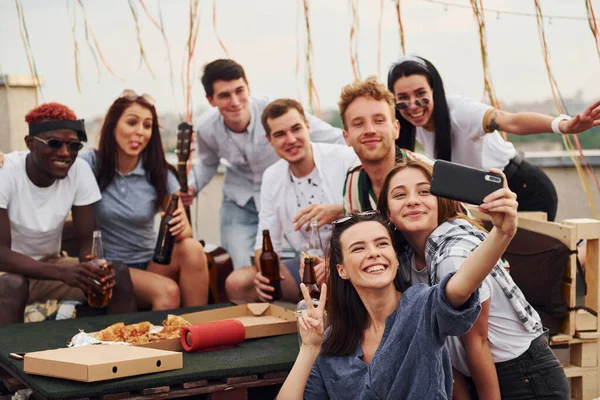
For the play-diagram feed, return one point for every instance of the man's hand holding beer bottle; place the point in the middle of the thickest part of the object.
(267, 281)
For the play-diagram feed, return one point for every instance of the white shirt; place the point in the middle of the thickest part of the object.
(507, 336)
(37, 214)
(245, 165)
(278, 199)
(471, 145)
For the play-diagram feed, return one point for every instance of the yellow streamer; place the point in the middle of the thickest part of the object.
(553, 86)
(401, 28)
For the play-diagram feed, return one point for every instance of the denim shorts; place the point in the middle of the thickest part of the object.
(141, 265)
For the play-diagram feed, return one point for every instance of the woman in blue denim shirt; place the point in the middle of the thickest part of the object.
(506, 353)
(385, 343)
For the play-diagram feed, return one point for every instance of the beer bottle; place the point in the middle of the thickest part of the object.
(269, 265)
(165, 241)
(96, 299)
(315, 247)
(309, 278)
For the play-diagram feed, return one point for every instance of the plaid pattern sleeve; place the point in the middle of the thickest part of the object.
(460, 239)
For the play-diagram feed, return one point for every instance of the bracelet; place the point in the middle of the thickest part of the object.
(556, 121)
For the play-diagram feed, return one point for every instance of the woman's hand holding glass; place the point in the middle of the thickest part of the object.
(501, 206)
(310, 323)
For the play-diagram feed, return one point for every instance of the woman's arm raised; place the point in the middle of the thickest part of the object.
(501, 206)
(312, 330)
(527, 123)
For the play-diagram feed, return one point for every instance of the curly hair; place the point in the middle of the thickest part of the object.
(50, 111)
(370, 87)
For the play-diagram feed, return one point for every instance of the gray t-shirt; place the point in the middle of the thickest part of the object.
(411, 361)
(126, 213)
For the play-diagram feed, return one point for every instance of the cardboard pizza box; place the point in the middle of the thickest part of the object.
(100, 362)
(259, 319)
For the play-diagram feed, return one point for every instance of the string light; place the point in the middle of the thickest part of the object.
(498, 12)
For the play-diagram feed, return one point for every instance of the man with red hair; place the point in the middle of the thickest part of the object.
(37, 190)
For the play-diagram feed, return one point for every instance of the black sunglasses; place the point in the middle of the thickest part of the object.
(370, 213)
(402, 105)
(57, 144)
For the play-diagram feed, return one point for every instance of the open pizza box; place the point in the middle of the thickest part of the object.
(259, 319)
(100, 362)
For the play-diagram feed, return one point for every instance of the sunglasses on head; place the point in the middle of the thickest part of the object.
(343, 220)
(57, 144)
(402, 105)
(133, 96)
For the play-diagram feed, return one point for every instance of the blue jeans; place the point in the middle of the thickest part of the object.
(535, 374)
(238, 231)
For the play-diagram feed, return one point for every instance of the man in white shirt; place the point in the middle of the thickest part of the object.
(232, 133)
(305, 184)
(37, 191)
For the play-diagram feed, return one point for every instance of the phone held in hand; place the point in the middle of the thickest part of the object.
(461, 183)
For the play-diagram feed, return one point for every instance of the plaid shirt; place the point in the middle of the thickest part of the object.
(459, 239)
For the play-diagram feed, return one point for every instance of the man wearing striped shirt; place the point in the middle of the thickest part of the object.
(371, 128)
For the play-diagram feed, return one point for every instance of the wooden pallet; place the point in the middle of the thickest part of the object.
(234, 388)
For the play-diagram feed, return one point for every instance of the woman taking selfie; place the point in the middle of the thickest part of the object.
(465, 131)
(137, 183)
(506, 353)
(386, 342)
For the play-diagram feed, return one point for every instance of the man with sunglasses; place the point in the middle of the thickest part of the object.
(38, 189)
(232, 132)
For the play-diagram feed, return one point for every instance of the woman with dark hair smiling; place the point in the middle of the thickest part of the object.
(506, 353)
(136, 183)
(385, 342)
(465, 131)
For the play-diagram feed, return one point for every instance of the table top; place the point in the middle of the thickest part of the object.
(254, 356)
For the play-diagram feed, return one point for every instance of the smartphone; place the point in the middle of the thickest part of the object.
(466, 184)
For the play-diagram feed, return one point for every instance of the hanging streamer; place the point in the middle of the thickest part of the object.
(400, 28)
(73, 21)
(88, 31)
(487, 76)
(593, 25)
(379, 28)
(160, 26)
(353, 9)
(313, 95)
(143, 58)
(27, 45)
(214, 20)
(560, 108)
(194, 23)
(299, 11)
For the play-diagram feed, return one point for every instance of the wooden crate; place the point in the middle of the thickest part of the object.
(580, 331)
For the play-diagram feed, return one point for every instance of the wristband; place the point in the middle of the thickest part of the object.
(556, 122)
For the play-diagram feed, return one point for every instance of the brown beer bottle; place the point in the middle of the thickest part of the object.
(309, 279)
(165, 241)
(269, 265)
(95, 299)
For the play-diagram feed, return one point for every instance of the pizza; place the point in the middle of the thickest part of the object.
(142, 332)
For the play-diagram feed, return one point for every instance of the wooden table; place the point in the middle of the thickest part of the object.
(243, 372)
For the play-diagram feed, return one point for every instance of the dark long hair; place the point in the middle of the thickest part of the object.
(153, 156)
(441, 115)
(347, 314)
(448, 210)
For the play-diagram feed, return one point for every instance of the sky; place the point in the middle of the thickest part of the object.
(262, 36)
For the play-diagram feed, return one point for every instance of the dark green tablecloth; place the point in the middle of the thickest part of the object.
(256, 356)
